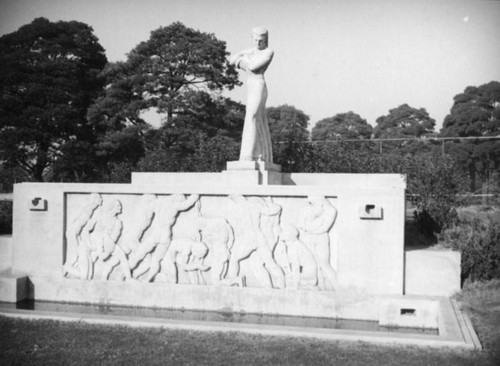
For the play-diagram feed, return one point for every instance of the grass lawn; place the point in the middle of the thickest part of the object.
(57, 343)
(45, 342)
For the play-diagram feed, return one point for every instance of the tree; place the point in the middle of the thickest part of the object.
(342, 126)
(404, 121)
(288, 128)
(287, 123)
(476, 112)
(434, 181)
(165, 73)
(179, 72)
(198, 154)
(177, 59)
(49, 75)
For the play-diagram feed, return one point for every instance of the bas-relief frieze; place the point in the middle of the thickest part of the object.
(202, 240)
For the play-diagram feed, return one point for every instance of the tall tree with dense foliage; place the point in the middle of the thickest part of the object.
(289, 135)
(166, 72)
(49, 75)
(404, 121)
(178, 72)
(287, 123)
(476, 113)
(344, 126)
(348, 125)
(189, 147)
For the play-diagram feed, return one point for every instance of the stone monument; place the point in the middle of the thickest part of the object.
(249, 239)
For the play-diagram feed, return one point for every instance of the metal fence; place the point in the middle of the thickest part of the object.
(379, 142)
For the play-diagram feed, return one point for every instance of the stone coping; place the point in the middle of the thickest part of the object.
(199, 188)
(454, 332)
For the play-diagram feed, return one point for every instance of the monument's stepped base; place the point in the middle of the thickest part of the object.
(344, 304)
(68, 238)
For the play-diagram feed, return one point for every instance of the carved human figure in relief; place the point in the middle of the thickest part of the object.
(302, 264)
(159, 241)
(185, 255)
(133, 234)
(78, 262)
(256, 139)
(315, 222)
(250, 238)
(106, 230)
(218, 236)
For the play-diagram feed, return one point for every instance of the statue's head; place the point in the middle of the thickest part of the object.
(114, 206)
(96, 199)
(147, 198)
(177, 197)
(260, 37)
(316, 200)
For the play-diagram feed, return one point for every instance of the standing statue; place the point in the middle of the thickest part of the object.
(256, 139)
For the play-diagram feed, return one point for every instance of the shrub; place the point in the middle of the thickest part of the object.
(434, 181)
(479, 242)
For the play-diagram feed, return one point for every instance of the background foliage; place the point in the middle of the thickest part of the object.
(478, 239)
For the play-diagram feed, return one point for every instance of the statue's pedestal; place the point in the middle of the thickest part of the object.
(249, 173)
(231, 211)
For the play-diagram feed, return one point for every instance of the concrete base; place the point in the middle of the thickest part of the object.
(409, 313)
(388, 310)
(14, 288)
(347, 304)
(5, 252)
(366, 248)
(367, 254)
(432, 272)
(454, 328)
(251, 173)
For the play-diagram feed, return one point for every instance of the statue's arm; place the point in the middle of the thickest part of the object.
(256, 62)
(234, 59)
(271, 209)
(327, 220)
(189, 202)
(117, 230)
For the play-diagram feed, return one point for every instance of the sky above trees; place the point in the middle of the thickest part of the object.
(330, 56)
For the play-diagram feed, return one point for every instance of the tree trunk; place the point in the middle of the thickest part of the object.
(41, 162)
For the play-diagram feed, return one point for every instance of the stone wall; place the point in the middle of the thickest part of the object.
(331, 234)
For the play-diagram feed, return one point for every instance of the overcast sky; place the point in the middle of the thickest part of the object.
(331, 56)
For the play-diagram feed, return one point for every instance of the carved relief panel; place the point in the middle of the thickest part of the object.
(215, 240)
